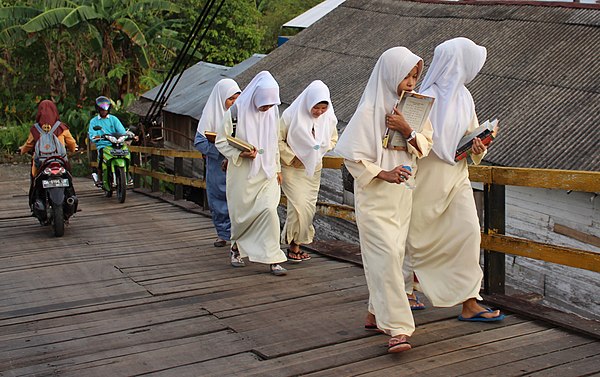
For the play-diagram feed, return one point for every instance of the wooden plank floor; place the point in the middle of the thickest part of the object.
(138, 289)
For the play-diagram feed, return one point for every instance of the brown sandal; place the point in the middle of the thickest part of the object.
(295, 257)
(398, 343)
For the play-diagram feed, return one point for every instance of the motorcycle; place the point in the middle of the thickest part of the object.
(116, 159)
(52, 198)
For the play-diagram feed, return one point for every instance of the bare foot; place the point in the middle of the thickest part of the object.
(370, 320)
(294, 247)
(471, 308)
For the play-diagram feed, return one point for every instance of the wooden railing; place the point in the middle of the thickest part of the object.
(494, 242)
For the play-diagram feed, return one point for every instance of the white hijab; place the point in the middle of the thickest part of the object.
(362, 137)
(455, 63)
(260, 128)
(308, 148)
(213, 111)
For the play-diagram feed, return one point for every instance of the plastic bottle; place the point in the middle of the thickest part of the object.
(410, 181)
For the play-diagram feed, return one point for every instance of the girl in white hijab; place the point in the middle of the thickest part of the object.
(307, 131)
(253, 177)
(382, 203)
(444, 237)
(221, 98)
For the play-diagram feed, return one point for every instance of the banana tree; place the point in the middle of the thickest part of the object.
(114, 30)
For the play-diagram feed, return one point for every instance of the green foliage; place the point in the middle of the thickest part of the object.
(12, 136)
(74, 50)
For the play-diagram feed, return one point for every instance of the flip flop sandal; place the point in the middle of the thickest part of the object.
(400, 344)
(418, 305)
(220, 243)
(294, 257)
(480, 318)
(304, 255)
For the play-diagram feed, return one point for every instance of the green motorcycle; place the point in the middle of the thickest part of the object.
(116, 159)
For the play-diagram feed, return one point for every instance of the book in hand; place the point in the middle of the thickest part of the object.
(415, 108)
(210, 136)
(240, 144)
(486, 132)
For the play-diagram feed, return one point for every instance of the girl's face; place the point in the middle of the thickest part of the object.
(410, 81)
(318, 109)
(231, 100)
(264, 108)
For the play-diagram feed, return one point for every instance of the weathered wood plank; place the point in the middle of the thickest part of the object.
(589, 366)
(563, 255)
(544, 356)
(392, 364)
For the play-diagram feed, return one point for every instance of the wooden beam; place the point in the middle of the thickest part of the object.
(546, 314)
(166, 152)
(494, 222)
(194, 182)
(566, 256)
(577, 235)
(330, 162)
(586, 181)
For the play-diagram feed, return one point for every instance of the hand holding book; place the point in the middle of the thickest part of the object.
(413, 109)
(486, 133)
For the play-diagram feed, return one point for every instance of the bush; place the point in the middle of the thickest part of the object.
(13, 136)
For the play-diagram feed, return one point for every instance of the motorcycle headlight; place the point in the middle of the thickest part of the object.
(122, 139)
(112, 139)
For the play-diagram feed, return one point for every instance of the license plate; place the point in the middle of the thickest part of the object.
(119, 152)
(63, 182)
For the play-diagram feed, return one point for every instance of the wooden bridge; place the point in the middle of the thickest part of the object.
(138, 288)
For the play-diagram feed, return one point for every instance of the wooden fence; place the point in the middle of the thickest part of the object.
(494, 242)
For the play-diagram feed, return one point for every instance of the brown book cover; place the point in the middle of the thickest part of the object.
(240, 144)
(210, 136)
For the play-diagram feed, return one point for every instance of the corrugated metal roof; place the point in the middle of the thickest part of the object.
(314, 14)
(541, 78)
(196, 83)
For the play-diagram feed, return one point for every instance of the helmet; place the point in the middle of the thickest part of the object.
(103, 103)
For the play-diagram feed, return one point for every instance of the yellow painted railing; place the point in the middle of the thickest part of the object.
(489, 175)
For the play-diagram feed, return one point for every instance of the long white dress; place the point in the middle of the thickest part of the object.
(383, 209)
(444, 237)
(252, 204)
(307, 139)
(301, 192)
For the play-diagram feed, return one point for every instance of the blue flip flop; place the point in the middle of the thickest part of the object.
(418, 305)
(478, 318)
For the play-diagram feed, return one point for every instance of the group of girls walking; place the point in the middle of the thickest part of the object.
(430, 229)
(433, 225)
(244, 187)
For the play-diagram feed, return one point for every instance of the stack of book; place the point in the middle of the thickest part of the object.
(486, 132)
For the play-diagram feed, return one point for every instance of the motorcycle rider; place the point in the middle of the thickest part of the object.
(47, 116)
(110, 124)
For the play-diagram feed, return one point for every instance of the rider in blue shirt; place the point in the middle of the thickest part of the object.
(110, 124)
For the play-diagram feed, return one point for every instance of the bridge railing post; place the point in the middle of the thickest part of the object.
(154, 165)
(494, 223)
(178, 167)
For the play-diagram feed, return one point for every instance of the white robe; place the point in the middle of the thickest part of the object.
(252, 203)
(444, 237)
(301, 192)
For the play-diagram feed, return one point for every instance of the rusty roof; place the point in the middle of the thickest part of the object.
(541, 78)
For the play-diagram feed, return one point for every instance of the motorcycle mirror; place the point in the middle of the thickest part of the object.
(97, 128)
